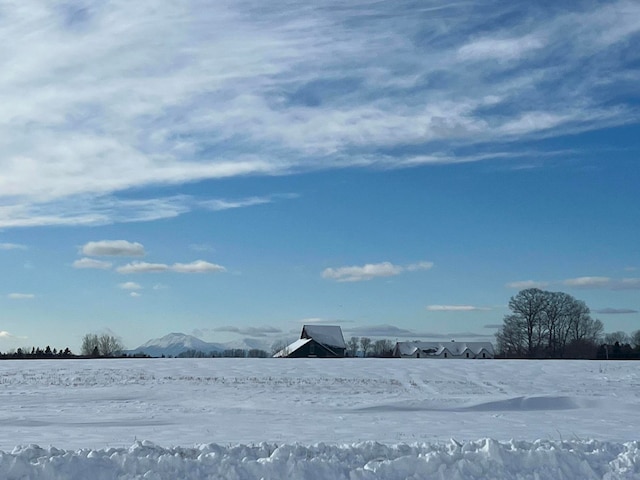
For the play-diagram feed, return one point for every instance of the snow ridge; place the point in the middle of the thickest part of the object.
(482, 459)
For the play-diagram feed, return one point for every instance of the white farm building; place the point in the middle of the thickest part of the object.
(452, 349)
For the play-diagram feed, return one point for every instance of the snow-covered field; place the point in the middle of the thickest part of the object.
(314, 418)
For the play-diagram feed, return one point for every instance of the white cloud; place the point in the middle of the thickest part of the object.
(135, 294)
(21, 296)
(130, 286)
(524, 284)
(414, 267)
(199, 266)
(240, 90)
(92, 263)
(219, 204)
(588, 282)
(365, 272)
(113, 248)
(12, 246)
(455, 308)
(142, 267)
(371, 271)
(500, 49)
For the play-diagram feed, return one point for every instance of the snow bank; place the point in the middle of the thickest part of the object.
(483, 459)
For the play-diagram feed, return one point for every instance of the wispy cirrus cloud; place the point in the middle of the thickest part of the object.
(456, 308)
(380, 331)
(604, 283)
(238, 89)
(615, 311)
(585, 282)
(92, 263)
(226, 204)
(198, 266)
(250, 331)
(370, 271)
(21, 296)
(524, 284)
(12, 246)
(4, 335)
(392, 332)
(588, 282)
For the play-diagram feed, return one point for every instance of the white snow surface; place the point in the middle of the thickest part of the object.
(319, 419)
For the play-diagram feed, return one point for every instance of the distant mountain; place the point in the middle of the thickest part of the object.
(174, 344)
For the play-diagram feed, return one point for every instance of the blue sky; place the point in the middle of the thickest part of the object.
(233, 170)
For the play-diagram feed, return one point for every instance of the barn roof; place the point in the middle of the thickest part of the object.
(455, 348)
(329, 335)
(292, 347)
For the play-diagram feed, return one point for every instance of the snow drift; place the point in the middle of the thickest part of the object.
(483, 459)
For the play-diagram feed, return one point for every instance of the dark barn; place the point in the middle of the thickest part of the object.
(320, 341)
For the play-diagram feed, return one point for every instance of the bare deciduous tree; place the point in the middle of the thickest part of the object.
(545, 324)
(365, 345)
(109, 345)
(382, 348)
(352, 346)
(90, 344)
(104, 345)
(621, 338)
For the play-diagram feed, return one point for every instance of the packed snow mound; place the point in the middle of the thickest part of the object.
(483, 459)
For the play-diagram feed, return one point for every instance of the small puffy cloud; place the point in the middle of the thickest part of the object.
(12, 246)
(371, 271)
(21, 296)
(92, 263)
(588, 282)
(456, 308)
(135, 294)
(524, 284)
(130, 286)
(199, 266)
(615, 311)
(143, 267)
(113, 248)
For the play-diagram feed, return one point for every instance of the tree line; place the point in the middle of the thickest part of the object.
(93, 346)
(545, 324)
